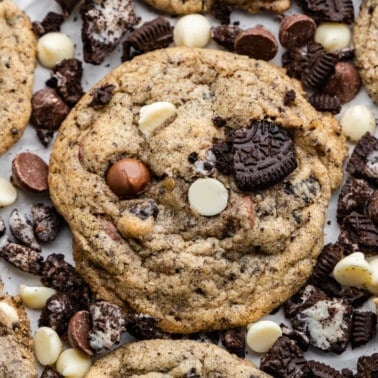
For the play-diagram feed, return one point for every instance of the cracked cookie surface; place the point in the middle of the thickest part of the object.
(152, 253)
(18, 50)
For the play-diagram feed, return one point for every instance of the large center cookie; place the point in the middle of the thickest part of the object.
(241, 123)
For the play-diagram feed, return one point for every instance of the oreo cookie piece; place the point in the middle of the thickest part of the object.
(367, 366)
(104, 24)
(294, 61)
(143, 327)
(320, 370)
(263, 155)
(325, 103)
(363, 327)
(225, 35)
(285, 359)
(355, 296)
(363, 162)
(233, 340)
(299, 337)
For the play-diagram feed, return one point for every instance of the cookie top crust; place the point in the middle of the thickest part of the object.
(153, 253)
(365, 39)
(18, 51)
(174, 358)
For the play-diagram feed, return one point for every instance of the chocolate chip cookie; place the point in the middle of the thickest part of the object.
(16, 353)
(365, 39)
(194, 194)
(176, 358)
(18, 49)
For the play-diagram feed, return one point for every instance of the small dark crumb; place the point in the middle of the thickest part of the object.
(143, 327)
(193, 157)
(102, 96)
(44, 135)
(219, 121)
(225, 35)
(49, 372)
(289, 97)
(222, 12)
(234, 341)
(2, 226)
(51, 23)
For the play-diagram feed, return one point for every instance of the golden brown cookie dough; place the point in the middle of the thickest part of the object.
(172, 358)
(365, 39)
(154, 254)
(18, 50)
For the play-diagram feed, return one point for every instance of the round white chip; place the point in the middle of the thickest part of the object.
(208, 196)
(73, 363)
(8, 193)
(333, 35)
(192, 30)
(47, 345)
(262, 335)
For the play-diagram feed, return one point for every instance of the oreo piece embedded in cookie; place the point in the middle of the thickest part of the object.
(263, 155)
(104, 24)
(363, 327)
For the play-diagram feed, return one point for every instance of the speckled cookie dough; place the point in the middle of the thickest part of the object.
(18, 49)
(173, 358)
(365, 39)
(16, 353)
(153, 253)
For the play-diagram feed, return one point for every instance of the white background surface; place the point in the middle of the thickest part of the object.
(37, 9)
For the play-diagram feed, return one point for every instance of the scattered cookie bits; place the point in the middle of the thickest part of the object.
(192, 30)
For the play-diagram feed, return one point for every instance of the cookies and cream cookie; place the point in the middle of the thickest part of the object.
(365, 39)
(173, 358)
(195, 192)
(18, 49)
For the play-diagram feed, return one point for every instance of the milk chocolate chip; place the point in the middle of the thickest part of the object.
(257, 43)
(296, 30)
(78, 331)
(127, 177)
(29, 172)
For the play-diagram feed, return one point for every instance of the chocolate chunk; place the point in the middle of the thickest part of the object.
(108, 322)
(223, 153)
(257, 43)
(264, 155)
(363, 162)
(67, 5)
(24, 258)
(321, 370)
(59, 274)
(144, 327)
(344, 83)
(329, 10)
(294, 61)
(152, 35)
(353, 196)
(221, 11)
(45, 136)
(225, 35)
(2, 226)
(104, 24)
(325, 103)
(49, 372)
(355, 296)
(57, 313)
(347, 373)
(362, 231)
(78, 332)
(327, 323)
(363, 327)
(46, 222)
(145, 209)
(318, 70)
(29, 172)
(367, 366)
(285, 359)
(372, 208)
(48, 109)
(289, 97)
(299, 337)
(102, 96)
(329, 286)
(66, 79)
(22, 229)
(296, 30)
(234, 341)
(50, 23)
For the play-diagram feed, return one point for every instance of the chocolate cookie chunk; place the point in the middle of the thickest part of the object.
(367, 366)
(363, 327)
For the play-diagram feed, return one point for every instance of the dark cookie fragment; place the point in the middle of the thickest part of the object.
(102, 96)
(49, 372)
(234, 341)
(355, 296)
(353, 197)
(66, 79)
(363, 162)
(221, 11)
(104, 24)
(225, 35)
(296, 30)
(372, 209)
(24, 258)
(263, 155)
(320, 370)
(363, 327)
(285, 359)
(299, 337)
(289, 97)
(67, 5)
(367, 366)
(294, 61)
(46, 222)
(50, 23)
(108, 322)
(223, 153)
(144, 327)
(325, 103)
(2, 226)
(45, 136)
(145, 209)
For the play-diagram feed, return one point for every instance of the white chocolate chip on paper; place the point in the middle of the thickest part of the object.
(47, 345)
(73, 363)
(8, 193)
(154, 115)
(262, 335)
(333, 35)
(35, 297)
(192, 30)
(208, 196)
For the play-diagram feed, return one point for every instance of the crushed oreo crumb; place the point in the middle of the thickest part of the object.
(102, 96)
(233, 340)
(145, 209)
(289, 97)
(2, 226)
(46, 222)
(225, 35)
(144, 327)
(51, 23)
(321, 370)
(363, 327)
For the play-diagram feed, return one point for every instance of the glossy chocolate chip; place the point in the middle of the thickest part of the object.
(78, 331)
(29, 172)
(257, 43)
(296, 30)
(127, 177)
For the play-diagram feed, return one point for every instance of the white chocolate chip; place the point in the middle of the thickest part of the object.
(372, 284)
(73, 363)
(47, 345)
(356, 121)
(8, 193)
(333, 35)
(192, 30)
(8, 315)
(208, 196)
(262, 335)
(35, 297)
(54, 47)
(352, 270)
(155, 115)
